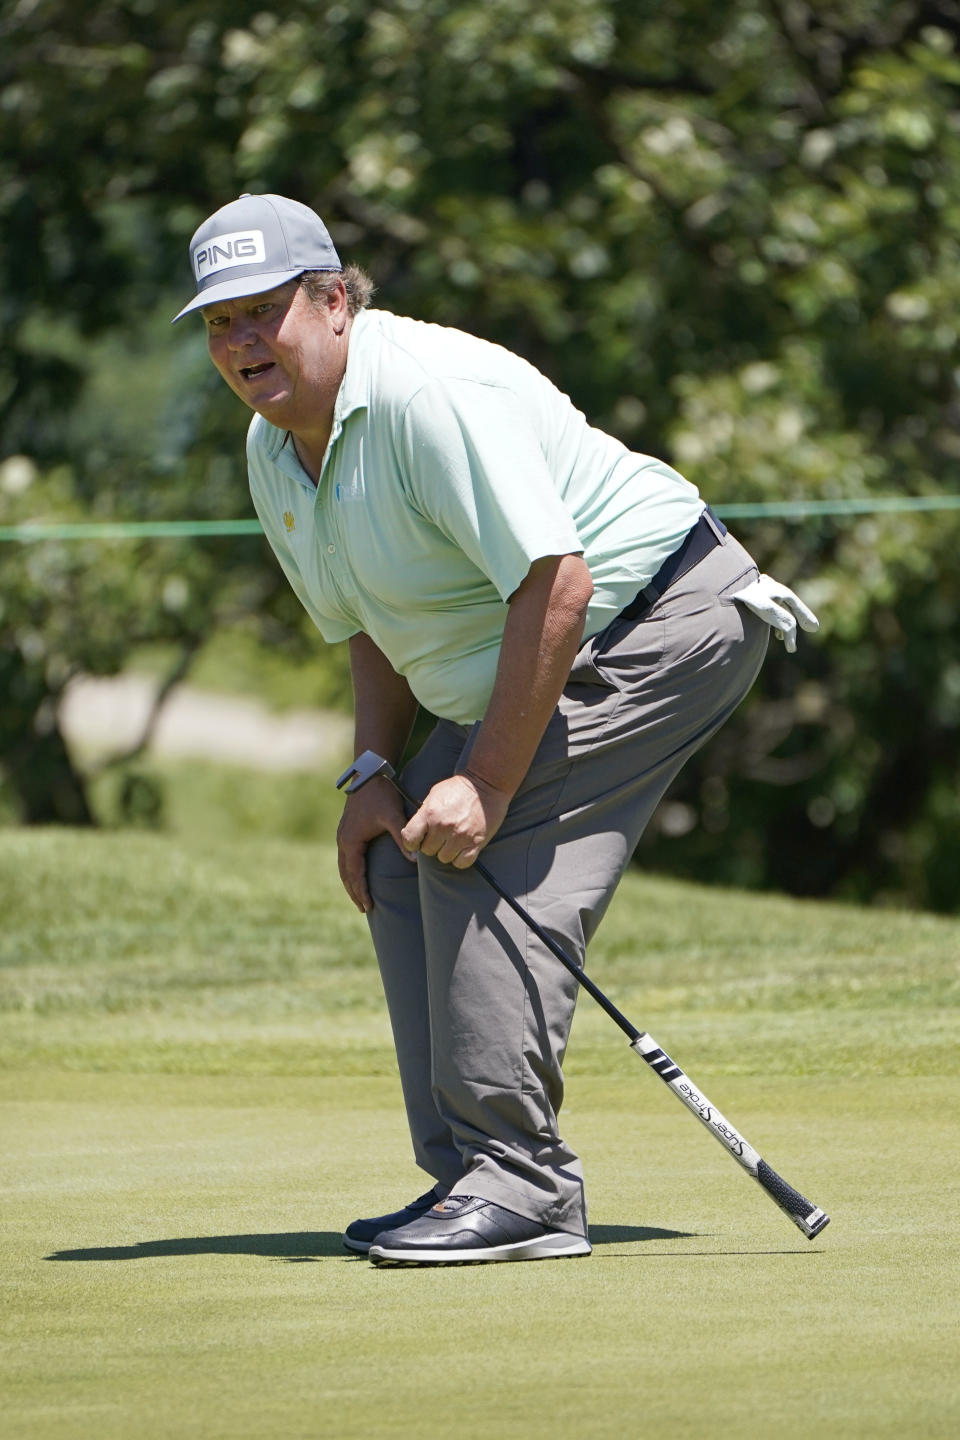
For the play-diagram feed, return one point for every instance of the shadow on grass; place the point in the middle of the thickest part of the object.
(306, 1245)
(298, 1245)
(624, 1234)
(629, 1234)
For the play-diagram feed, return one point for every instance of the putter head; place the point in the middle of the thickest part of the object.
(366, 767)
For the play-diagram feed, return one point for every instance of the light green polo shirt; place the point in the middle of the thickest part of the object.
(453, 465)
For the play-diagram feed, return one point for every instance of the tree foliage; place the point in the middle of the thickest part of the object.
(728, 231)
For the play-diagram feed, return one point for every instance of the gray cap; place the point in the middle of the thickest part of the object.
(256, 243)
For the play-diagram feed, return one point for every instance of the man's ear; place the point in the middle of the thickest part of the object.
(339, 307)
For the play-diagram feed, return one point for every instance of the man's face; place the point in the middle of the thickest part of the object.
(281, 354)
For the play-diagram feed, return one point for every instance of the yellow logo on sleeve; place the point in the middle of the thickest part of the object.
(289, 521)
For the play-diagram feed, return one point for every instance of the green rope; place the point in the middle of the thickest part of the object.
(863, 505)
(131, 530)
(197, 529)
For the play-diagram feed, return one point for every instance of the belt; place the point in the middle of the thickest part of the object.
(705, 535)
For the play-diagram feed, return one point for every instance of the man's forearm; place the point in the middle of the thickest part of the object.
(384, 706)
(540, 641)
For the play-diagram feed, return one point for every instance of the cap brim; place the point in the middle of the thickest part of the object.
(237, 288)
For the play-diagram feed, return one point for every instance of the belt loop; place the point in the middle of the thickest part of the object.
(715, 523)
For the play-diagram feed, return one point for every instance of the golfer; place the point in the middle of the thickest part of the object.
(576, 618)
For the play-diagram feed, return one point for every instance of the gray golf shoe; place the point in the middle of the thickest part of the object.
(464, 1230)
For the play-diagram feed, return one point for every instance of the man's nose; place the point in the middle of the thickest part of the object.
(241, 332)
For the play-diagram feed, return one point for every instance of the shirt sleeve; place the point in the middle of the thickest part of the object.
(475, 469)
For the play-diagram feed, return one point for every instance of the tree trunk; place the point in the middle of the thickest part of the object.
(33, 754)
(46, 783)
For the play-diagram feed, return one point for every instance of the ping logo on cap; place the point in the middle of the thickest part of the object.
(240, 247)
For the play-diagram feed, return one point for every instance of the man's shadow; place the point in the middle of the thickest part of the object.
(630, 1234)
(302, 1245)
(308, 1245)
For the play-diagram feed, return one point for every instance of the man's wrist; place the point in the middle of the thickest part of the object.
(487, 787)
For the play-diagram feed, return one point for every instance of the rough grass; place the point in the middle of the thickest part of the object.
(129, 951)
(197, 1092)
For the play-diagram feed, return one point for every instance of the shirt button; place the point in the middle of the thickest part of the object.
(331, 549)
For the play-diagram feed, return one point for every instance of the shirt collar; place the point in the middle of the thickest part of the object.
(354, 388)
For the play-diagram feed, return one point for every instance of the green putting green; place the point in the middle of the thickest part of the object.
(197, 1093)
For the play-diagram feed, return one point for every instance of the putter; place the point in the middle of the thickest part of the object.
(810, 1219)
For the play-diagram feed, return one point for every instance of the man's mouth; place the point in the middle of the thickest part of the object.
(251, 372)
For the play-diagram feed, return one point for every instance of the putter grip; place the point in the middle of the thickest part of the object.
(808, 1218)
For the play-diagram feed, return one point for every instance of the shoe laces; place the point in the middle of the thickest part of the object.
(453, 1203)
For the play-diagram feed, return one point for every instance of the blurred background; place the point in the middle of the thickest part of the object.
(731, 232)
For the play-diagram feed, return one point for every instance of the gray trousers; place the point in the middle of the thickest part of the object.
(480, 1010)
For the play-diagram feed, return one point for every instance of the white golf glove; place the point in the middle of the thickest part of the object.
(780, 608)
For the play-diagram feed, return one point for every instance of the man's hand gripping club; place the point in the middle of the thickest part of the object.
(458, 817)
(456, 820)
